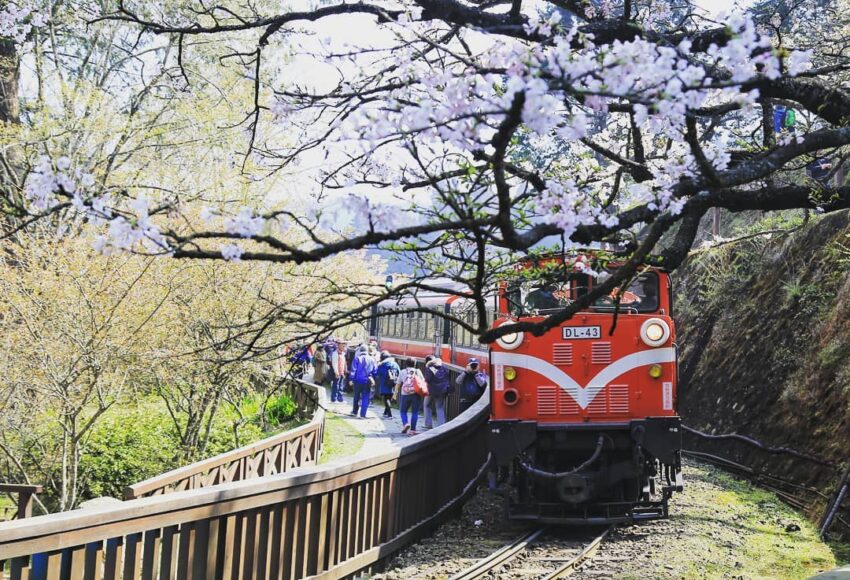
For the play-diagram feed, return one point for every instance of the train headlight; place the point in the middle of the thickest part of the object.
(655, 371)
(654, 332)
(510, 373)
(511, 397)
(510, 341)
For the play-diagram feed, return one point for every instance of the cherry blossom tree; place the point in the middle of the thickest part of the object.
(462, 135)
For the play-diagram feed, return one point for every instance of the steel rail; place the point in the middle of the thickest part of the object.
(499, 557)
(586, 554)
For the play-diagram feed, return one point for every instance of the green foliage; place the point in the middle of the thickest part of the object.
(280, 409)
(134, 442)
(794, 289)
(128, 445)
(724, 270)
(770, 222)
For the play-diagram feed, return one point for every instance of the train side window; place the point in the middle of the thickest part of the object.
(411, 325)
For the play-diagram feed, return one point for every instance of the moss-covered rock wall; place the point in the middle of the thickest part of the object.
(764, 336)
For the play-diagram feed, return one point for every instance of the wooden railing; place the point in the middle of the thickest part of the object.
(25, 496)
(324, 522)
(280, 453)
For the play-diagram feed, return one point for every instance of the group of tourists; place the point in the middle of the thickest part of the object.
(376, 375)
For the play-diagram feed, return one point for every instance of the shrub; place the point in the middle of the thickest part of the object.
(128, 445)
(280, 409)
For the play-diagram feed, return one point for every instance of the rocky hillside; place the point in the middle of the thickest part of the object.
(764, 344)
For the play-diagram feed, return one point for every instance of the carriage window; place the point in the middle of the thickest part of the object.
(417, 330)
(641, 295)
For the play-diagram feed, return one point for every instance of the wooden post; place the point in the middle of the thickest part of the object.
(25, 494)
(715, 225)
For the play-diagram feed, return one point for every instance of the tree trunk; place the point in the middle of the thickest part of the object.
(12, 166)
(10, 109)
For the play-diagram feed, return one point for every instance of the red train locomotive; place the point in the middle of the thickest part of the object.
(583, 421)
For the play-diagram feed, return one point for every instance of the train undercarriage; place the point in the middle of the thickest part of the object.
(589, 473)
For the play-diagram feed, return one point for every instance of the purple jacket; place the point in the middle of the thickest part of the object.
(437, 377)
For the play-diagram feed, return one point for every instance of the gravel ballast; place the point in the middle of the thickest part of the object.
(720, 527)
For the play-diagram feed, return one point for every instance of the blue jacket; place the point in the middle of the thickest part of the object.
(330, 351)
(362, 368)
(386, 385)
(472, 384)
(439, 382)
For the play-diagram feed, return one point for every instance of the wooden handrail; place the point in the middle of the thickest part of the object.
(26, 493)
(276, 454)
(314, 521)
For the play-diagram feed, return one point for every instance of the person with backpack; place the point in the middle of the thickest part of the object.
(410, 398)
(362, 378)
(386, 377)
(472, 383)
(439, 388)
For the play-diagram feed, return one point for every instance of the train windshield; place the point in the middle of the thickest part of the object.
(641, 295)
(546, 296)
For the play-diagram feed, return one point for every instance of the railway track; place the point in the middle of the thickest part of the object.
(542, 553)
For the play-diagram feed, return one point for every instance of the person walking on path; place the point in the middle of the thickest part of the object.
(386, 377)
(409, 401)
(362, 378)
(376, 356)
(439, 387)
(472, 382)
(320, 365)
(337, 369)
(427, 410)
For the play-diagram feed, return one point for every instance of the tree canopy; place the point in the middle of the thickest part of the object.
(458, 135)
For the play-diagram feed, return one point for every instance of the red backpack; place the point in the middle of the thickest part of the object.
(420, 387)
(414, 383)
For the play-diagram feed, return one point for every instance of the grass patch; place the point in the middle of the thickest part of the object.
(775, 541)
(842, 552)
(340, 439)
